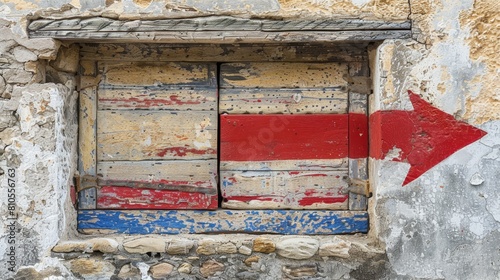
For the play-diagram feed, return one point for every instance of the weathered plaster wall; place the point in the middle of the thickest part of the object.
(444, 225)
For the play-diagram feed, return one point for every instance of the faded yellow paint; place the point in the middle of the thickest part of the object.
(143, 3)
(87, 130)
(76, 3)
(381, 9)
(132, 73)
(483, 20)
(22, 5)
(283, 75)
(203, 136)
(141, 135)
(280, 101)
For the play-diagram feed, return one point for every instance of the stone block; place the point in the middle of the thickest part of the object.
(253, 259)
(263, 245)
(293, 271)
(244, 250)
(336, 248)
(206, 247)
(185, 268)
(145, 245)
(92, 268)
(17, 76)
(179, 246)
(72, 246)
(161, 270)
(298, 248)
(210, 268)
(227, 248)
(7, 120)
(67, 59)
(129, 272)
(104, 245)
(22, 54)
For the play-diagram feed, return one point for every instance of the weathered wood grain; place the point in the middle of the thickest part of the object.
(87, 144)
(282, 75)
(285, 165)
(157, 99)
(283, 101)
(335, 24)
(358, 146)
(183, 175)
(283, 137)
(284, 190)
(157, 74)
(118, 197)
(316, 222)
(146, 135)
(214, 23)
(330, 52)
(217, 37)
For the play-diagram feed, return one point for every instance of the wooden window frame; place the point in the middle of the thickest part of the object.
(223, 220)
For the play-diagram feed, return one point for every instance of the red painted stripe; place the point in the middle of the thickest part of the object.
(112, 197)
(283, 137)
(307, 201)
(358, 135)
(183, 151)
(135, 102)
(249, 198)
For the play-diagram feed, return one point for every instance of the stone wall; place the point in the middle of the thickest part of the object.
(443, 225)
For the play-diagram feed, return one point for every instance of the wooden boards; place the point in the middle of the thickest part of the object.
(296, 114)
(223, 221)
(156, 136)
(150, 134)
(283, 137)
(219, 29)
(285, 130)
(160, 184)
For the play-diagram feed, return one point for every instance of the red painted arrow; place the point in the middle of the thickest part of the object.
(425, 136)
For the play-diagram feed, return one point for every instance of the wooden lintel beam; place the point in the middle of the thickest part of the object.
(219, 29)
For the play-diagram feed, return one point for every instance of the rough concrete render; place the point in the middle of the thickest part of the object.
(430, 74)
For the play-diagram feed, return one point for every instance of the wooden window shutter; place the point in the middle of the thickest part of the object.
(155, 136)
(293, 136)
(293, 145)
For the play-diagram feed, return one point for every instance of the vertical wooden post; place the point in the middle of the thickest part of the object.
(87, 135)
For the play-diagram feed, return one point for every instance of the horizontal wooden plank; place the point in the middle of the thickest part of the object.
(157, 74)
(157, 99)
(332, 24)
(212, 23)
(116, 197)
(285, 165)
(282, 75)
(284, 190)
(184, 175)
(222, 221)
(226, 37)
(225, 53)
(283, 137)
(283, 101)
(146, 135)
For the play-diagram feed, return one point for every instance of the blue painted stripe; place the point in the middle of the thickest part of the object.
(249, 221)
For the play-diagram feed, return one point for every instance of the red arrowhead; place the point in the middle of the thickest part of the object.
(425, 136)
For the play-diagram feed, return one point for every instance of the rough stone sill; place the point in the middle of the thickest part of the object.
(348, 247)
